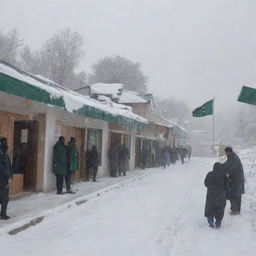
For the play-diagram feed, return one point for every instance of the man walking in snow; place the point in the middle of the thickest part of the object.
(5, 176)
(234, 171)
(60, 163)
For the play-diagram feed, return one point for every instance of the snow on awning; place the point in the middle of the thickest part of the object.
(22, 84)
(179, 131)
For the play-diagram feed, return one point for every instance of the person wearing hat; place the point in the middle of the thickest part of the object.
(234, 170)
(5, 177)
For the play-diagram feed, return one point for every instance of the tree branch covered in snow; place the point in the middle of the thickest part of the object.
(117, 69)
(10, 43)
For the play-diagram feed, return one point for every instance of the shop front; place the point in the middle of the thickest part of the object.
(22, 134)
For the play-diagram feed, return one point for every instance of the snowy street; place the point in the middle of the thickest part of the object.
(159, 213)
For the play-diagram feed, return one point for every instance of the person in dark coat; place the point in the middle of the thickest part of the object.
(234, 169)
(165, 157)
(144, 158)
(183, 153)
(215, 182)
(94, 162)
(189, 151)
(5, 177)
(72, 163)
(123, 160)
(113, 158)
(88, 161)
(60, 163)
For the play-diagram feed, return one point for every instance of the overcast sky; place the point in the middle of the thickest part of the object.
(192, 50)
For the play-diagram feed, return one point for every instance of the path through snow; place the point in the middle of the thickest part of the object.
(158, 214)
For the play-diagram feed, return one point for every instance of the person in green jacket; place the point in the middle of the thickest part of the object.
(72, 163)
(60, 163)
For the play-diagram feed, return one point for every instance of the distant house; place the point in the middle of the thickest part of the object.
(160, 131)
(112, 91)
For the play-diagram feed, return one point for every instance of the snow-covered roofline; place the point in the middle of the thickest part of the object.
(43, 90)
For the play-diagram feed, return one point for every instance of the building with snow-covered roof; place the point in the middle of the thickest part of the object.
(35, 111)
(160, 131)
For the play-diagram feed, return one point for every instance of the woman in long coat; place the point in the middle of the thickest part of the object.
(215, 182)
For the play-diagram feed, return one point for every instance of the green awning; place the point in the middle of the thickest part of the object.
(21, 88)
(178, 131)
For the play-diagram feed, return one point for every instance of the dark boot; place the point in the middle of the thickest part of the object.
(3, 215)
(218, 223)
(210, 221)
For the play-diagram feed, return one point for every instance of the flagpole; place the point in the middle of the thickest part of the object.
(213, 123)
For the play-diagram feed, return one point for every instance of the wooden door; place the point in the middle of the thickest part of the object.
(79, 134)
(25, 144)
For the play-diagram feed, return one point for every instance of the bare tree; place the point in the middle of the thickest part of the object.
(118, 69)
(172, 109)
(60, 56)
(9, 45)
(30, 61)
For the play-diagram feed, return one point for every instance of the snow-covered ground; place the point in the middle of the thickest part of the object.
(153, 213)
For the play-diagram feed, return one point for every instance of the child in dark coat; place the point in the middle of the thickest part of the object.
(215, 182)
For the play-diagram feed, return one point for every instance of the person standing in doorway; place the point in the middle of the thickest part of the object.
(95, 162)
(234, 170)
(60, 163)
(5, 177)
(123, 160)
(72, 163)
(113, 158)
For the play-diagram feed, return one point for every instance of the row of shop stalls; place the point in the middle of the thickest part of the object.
(35, 111)
(159, 135)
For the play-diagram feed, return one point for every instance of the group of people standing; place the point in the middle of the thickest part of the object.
(171, 154)
(224, 182)
(118, 156)
(66, 162)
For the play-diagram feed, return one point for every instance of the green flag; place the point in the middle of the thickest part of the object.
(205, 110)
(247, 95)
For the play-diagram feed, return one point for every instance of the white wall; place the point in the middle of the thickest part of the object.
(50, 139)
(53, 115)
(132, 152)
(103, 169)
